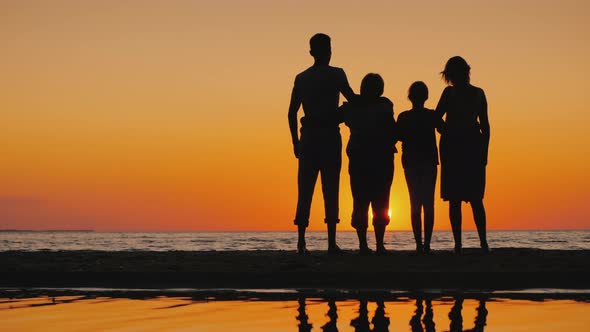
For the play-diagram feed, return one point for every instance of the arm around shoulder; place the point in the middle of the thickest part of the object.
(345, 88)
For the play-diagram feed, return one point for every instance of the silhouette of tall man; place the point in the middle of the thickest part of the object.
(319, 149)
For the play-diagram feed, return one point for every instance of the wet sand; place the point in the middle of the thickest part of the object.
(506, 268)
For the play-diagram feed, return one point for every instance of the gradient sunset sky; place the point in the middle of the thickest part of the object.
(172, 115)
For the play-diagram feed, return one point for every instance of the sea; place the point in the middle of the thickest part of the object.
(231, 241)
(302, 310)
(144, 311)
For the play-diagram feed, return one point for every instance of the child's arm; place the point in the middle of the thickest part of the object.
(292, 115)
(400, 128)
(391, 125)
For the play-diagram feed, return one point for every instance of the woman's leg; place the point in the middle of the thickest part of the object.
(301, 249)
(479, 215)
(455, 216)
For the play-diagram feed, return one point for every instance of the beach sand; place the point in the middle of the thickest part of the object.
(504, 268)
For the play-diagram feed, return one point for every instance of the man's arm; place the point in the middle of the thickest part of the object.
(345, 88)
(293, 109)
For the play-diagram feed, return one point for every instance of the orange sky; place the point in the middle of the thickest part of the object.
(172, 115)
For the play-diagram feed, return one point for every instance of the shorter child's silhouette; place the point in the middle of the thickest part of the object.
(416, 130)
(370, 151)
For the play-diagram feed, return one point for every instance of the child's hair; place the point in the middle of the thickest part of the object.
(372, 85)
(418, 92)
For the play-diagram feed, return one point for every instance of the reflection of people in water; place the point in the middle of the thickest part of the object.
(380, 320)
(427, 320)
(302, 318)
(456, 317)
(480, 318)
(415, 323)
(332, 313)
(361, 323)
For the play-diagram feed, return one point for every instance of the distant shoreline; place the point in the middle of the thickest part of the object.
(503, 269)
(261, 231)
(47, 231)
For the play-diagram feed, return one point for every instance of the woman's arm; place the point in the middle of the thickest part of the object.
(484, 126)
(484, 123)
(442, 109)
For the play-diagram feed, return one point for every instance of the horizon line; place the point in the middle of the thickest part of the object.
(263, 231)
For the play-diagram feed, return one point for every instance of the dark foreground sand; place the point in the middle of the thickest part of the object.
(506, 268)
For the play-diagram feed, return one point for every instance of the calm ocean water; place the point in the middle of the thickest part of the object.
(84, 312)
(120, 241)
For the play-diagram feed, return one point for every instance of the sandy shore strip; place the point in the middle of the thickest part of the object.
(503, 269)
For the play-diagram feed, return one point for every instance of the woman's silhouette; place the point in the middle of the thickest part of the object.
(463, 147)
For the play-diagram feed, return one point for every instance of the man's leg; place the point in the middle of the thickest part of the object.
(306, 178)
(330, 177)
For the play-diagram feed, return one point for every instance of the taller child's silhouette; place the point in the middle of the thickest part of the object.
(319, 149)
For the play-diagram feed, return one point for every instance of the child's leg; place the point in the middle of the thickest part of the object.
(360, 205)
(412, 179)
(428, 202)
(360, 220)
(380, 203)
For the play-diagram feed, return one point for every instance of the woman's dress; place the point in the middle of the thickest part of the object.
(463, 146)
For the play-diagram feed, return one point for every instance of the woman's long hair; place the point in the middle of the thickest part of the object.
(456, 71)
